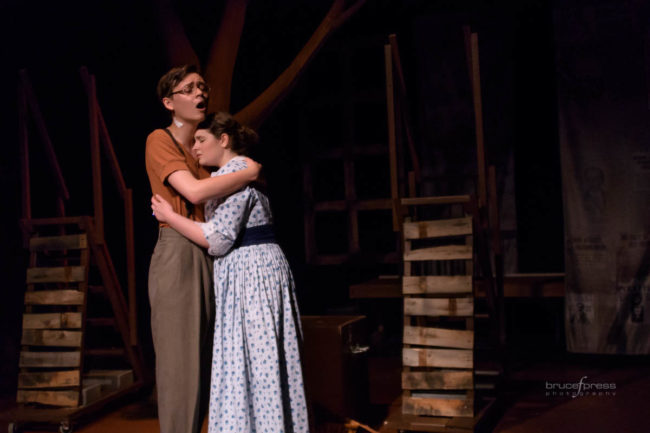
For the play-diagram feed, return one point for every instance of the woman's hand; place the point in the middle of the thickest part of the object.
(162, 210)
(254, 168)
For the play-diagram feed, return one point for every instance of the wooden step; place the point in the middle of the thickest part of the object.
(91, 392)
(454, 405)
(52, 321)
(438, 228)
(437, 284)
(442, 358)
(69, 398)
(438, 307)
(54, 297)
(61, 274)
(49, 359)
(57, 243)
(440, 337)
(49, 379)
(112, 379)
(446, 252)
(45, 337)
(441, 379)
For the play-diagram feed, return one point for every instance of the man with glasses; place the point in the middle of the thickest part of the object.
(180, 273)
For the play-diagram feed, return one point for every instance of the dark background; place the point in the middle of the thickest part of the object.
(118, 41)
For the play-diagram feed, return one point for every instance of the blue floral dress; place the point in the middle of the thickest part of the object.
(257, 383)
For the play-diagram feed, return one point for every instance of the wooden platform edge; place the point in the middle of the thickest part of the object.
(483, 422)
(31, 416)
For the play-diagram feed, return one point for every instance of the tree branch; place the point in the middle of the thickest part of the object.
(258, 110)
(179, 51)
(223, 54)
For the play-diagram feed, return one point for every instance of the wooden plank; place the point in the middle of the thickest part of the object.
(478, 121)
(443, 406)
(49, 359)
(438, 306)
(44, 337)
(392, 136)
(449, 199)
(53, 398)
(438, 228)
(66, 242)
(54, 297)
(440, 337)
(446, 252)
(49, 379)
(62, 274)
(437, 284)
(52, 321)
(442, 379)
(443, 358)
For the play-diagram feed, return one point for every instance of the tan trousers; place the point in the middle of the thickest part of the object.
(182, 313)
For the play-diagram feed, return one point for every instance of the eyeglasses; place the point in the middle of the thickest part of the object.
(189, 88)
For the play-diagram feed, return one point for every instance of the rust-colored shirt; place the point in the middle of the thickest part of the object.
(162, 158)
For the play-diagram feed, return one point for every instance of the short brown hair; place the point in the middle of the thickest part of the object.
(171, 79)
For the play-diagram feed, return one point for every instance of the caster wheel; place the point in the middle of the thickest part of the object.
(65, 427)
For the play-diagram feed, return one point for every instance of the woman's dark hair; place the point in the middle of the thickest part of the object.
(242, 138)
(171, 79)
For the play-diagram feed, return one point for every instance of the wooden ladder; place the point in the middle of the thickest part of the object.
(438, 352)
(59, 364)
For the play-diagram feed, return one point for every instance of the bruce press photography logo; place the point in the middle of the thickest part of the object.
(580, 389)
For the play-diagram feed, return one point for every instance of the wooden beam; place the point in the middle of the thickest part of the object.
(423, 336)
(130, 266)
(438, 306)
(44, 337)
(49, 379)
(446, 252)
(54, 297)
(52, 321)
(49, 359)
(405, 106)
(392, 139)
(438, 228)
(438, 284)
(32, 103)
(53, 398)
(478, 121)
(441, 200)
(95, 159)
(65, 242)
(442, 358)
(61, 274)
(444, 405)
(23, 138)
(441, 379)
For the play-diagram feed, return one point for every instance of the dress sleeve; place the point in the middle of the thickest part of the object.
(227, 221)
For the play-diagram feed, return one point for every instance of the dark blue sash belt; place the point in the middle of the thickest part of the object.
(263, 234)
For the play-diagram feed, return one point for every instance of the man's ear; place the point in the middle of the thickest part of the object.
(168, 103)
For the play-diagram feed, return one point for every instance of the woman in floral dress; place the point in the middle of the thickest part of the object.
(257, 383)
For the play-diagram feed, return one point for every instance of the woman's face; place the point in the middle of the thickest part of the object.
(208, 149)
(188, 100)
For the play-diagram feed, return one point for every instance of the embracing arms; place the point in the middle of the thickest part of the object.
(199, 190)
(164, 212)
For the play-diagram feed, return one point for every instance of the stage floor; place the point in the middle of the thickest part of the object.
(531, 406)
